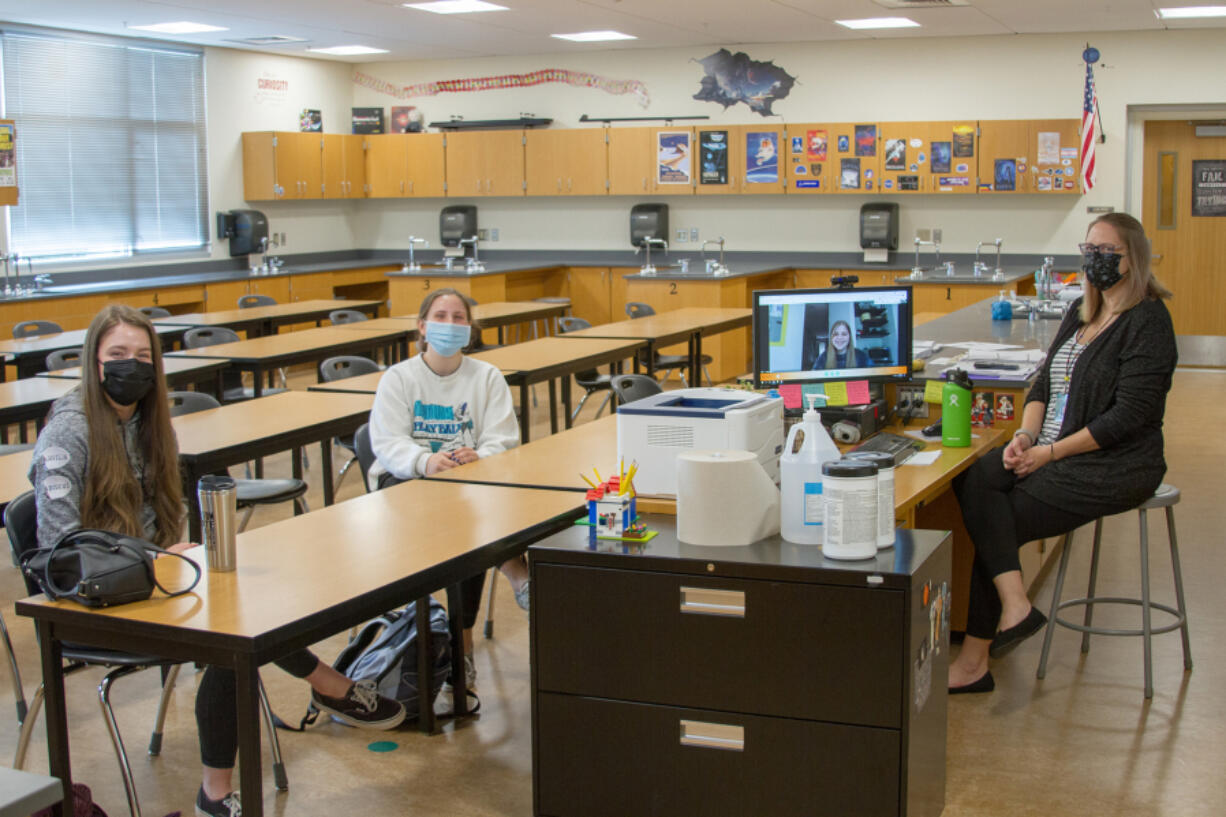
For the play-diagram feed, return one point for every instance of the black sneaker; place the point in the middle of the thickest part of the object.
(362, 706)
(228, 806)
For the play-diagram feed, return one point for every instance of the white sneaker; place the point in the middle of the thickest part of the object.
(523, 596)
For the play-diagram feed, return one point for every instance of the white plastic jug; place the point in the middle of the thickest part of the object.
(801, 519)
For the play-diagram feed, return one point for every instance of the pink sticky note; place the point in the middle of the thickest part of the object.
(791, 395)
(857, 392)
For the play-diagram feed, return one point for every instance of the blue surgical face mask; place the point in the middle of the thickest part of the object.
(447, 338)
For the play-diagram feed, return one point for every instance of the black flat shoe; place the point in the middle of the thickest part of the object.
(985, 683)
(1006, 640)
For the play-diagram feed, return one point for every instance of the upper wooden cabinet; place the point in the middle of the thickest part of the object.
(1030, 156)
(718, 166)
(402, 165)
(673, 163)
(425, 164)
(344, 167)
(631, 158)
(834, 158)
(929, 157)
(485, 163)
(282, 165)
(760, 161)
(565, 162)
(1055, 165)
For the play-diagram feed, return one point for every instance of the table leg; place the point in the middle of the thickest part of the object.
(59, 763)
(615, 368)
(425, 708)
(651, 360)
(696, 359)
(190, 477)
(455, 624)
(295, 458)
(566, 400)
(500, 340)
(257, 381)
(325, 462)
(247, 678)
(553, 406)
(524, 423)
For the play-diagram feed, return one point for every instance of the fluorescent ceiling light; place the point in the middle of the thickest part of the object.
(1187, 12)
(878, 22)
(594, 36)
(179, 28)
(455, 6)
(349, 50)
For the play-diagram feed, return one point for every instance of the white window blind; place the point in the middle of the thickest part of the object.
(111, 144)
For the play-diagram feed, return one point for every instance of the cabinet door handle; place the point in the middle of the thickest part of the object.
(702, 735)
(708, 601)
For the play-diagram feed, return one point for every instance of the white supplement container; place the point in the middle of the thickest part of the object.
(885, 493)
(850, 488)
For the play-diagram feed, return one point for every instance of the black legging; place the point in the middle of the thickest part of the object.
(1000, 519)
(216, 717)
(471, 588)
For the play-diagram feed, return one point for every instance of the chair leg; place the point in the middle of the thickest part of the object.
(1089, 617)
(1055, 605)
(112, 726)
(579, 407)
(19, 695)
(302, 504)
(242, 525)
(603, 403)
(492, 581)
(27, 728)
(1146, 625)
(708, 376)
(1183, 609)
(274, 743)
(168, 686)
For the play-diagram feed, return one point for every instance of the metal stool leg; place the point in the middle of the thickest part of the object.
(27, 728)
(1055, 605)
(281, 781)
(112, 726)
(1098, 536)
(1179, 602)
(1146, 626)
(19, 696)
(168, 686)
(492, 581)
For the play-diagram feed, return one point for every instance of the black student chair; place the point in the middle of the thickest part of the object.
(667, 363)
(64, 359)
(591, 380)
(33, 329)
(631, 387)
(232, 388)
(338, 368)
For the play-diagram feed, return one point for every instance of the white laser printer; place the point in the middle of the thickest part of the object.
(652, 431)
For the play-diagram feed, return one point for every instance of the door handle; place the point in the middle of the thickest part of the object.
(700, 734)
(709, 601)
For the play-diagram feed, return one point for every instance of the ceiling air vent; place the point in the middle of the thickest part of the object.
(271, 39)
(920, 4)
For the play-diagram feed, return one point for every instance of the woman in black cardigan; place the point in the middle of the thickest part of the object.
(1089, 445)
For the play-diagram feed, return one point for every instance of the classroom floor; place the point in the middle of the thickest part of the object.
(1082, 741)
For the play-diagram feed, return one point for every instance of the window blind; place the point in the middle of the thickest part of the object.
(111, 147)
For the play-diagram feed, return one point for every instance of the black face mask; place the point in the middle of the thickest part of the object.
(1102, 269)
(127, 381)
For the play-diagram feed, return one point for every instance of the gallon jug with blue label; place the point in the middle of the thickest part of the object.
(802, 513)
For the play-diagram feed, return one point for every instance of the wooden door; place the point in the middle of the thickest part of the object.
(424, 165)
(385, 165)
(1055, 165)
(353, 162)
(259, 167)
(299, 164)
(1004, 156)
(905, 152)
(761, 159)
(1187, 246)
(674, 165)
(717, 150)
(631, 160)
(590, 294)
(565, 162)
(812, 171)
(486, 163)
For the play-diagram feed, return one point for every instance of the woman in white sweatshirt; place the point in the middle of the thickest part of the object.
(441, 409)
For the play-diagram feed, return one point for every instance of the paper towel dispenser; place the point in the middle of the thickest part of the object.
(879, 226)
(456, 222)
(648, 221)
(246, 229)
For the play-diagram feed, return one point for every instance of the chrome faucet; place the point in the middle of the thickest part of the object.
(917, 271)
(472, 264)
(413, 266)
(1045, 278)
(980, 266)
(647, 244)
(271, 262)
(719, 264)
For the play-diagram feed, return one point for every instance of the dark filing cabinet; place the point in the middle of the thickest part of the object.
(671, 680)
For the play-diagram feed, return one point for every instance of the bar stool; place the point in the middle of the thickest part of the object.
(552, 299)
(1167, 496)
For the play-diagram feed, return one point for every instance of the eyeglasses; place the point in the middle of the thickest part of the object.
(1100, 249)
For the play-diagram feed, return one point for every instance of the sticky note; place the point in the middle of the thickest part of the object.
(837, 392)
(812, 388)
(932, 391)
(791, 395)
(857, 392)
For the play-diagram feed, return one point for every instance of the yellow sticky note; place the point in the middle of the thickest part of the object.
(837, 394)
(932, 391)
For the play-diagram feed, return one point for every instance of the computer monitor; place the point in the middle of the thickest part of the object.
(821, 335)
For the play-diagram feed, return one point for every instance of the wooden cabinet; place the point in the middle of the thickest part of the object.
(489, 163)
(424, 165)
(1004, 148)
(1030, 156)
(224, 295)
(344, 166)
(674, 162)
(565, 162)
(929, 157)
(404, 165)
(710, 708)
(590, 290)
(282, 165)
(631, 157)
(1056, 159)
(835, 158)
(759, 159)
(719, 164)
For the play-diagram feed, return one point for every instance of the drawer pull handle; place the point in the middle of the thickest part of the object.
(709, 602)
(726, 736)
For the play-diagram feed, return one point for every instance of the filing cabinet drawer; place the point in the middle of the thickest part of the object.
(601, 758)
(820, 652)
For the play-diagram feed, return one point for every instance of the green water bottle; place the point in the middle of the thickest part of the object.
(956, 409)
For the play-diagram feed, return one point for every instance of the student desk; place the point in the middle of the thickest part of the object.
(687, 325)
(545, 359)
(500, 314)
(29, 399)
(30, 355)
(214, 439)
(299, 581)
(263, 320)
(180, 372)
(14, 476)
(264, 354)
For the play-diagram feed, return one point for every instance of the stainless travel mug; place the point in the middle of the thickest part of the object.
(218, 521)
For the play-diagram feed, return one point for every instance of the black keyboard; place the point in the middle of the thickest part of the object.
(896, 445)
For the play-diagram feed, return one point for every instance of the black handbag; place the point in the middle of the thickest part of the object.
(98, 568)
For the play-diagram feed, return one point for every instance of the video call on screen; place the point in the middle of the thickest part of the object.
(826, 337)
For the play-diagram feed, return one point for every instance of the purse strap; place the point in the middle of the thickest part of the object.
(108, 540)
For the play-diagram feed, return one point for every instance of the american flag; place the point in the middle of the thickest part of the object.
(1089, 131)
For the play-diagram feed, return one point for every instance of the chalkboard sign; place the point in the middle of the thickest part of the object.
(1209, 187)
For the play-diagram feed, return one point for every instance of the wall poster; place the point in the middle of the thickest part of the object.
(714, 147)
(761, 157)
(1209, 187)
(8, 155)
(673, 157)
